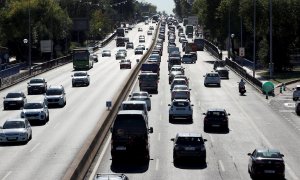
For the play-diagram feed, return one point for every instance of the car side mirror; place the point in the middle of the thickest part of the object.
(71, 75)
(190, 89)
(172, 139)
(203, 113)
(169, 104)
(249, 154)
(192, 104)
(151, 130)
(150, 95)
(228, 114)
(281, 155)
(204, 140)
(204, 76)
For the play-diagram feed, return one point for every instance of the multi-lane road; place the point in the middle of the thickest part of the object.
(54, 145)
(254, 123)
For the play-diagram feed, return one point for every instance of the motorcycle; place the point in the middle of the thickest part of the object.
(242, 90)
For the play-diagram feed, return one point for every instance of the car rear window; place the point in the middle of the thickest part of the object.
(212, 75)
(180, 104)
(189, 141)
(13, 95)
(216, 114)
(269, 154)
(13, 125)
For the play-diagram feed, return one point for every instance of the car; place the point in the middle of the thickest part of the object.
(181, 108)
(142, 98)
(80, 78)
(106, 53)
(178, 81)
(36, 85)
(296, 93)
(189, 145)
(120, 55)
(151, 28)
(194, 56)
(140, 93)
(14, 100)
(129, 45)
(219, 63)
(190, 35)
(181, 39)
(111, 176)
(142, 46)
(216, 118)
(223, 72)
(182, 77)
(36, 111)
(15, 130)
(55, 95)
(125, 63)
(265, 162)
(122, 51)
(149, 32)
(297, 108)
(212, 78)
(126, 39)
(174, 73)
(187, 58)
(177, 68)
(134, 105)
(138, 50)
(140, 29)
(180, 94)
(141, 39)
(95, 57)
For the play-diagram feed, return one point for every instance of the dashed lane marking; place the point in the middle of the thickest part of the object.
(7, 174)
(37, 145)
(221, 166)
(157, 165)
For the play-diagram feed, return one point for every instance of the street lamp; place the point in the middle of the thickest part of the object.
(254, 34)
(232, 46)
(29, 37)
(271, 66)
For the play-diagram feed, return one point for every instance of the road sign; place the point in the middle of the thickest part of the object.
(242, 52)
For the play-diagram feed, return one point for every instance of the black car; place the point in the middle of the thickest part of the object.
(129, 45)
(36, 85)
(14, 100)
(219, 63)
(216, 118)
(223, 72)
(266, 162)
(189, 145)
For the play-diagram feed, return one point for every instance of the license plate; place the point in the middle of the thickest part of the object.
(190, 148)
(11, 139)
(215, 125)
(269, 171)
(121, 148)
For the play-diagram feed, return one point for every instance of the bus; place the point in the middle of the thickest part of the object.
(82, 58)
(189, 29)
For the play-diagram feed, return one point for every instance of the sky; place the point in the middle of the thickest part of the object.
(162, 5)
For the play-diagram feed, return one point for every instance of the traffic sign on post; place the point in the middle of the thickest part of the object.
(241, 51)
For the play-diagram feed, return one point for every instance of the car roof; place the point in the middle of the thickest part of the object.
(16, 119)
(188, 134)
(139, 112)
(216, 109)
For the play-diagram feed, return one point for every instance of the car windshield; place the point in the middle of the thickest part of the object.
(13, 125)
(105, 51)
(269, 154)
(80, 74)
(181, 104)
(137, 98)
(216, 114)
(54, 92)
(189, 141)
(33, 106)
(212, 75)
(33, 81)
(13, 95)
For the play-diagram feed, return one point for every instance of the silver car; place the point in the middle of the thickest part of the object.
(181, 108)
(142, 98)
(212, 78)
(80, 78)
(55, 95)
(16, 130)
(36, 111)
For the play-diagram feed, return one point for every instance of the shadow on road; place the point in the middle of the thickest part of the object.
(129, 166)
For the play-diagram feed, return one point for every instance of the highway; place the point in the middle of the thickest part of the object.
(254, 123)
(54, 145)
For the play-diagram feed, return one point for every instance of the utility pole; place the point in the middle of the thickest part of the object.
(271, 66)
(254, 34)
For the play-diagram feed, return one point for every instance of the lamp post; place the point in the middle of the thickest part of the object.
(271, 66)
(232, 46)
(29, 37)
(254, 34)
(228, 46)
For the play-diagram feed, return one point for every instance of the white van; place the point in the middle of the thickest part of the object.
(134, 105)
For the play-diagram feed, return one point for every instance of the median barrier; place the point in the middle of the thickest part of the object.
(83, 160)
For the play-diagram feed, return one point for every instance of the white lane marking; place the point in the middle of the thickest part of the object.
(211, 138)
(7, 174)
(199, 103)
(100, 158)
(157, 164)
(160, 117)
(37, 145)
(158, 136)
(291, 172)
(161, 102)
(286, 110)
(221, 166)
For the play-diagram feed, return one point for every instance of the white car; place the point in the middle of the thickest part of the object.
(36, 111)
(80, 78)
(16, 130)
(212, 78)
(142, 98)
(55, 95)
(296, 93)
(181, 108)
(178, 81)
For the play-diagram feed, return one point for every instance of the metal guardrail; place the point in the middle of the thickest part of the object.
(8, 81)
(238, 68)
(85, 157)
